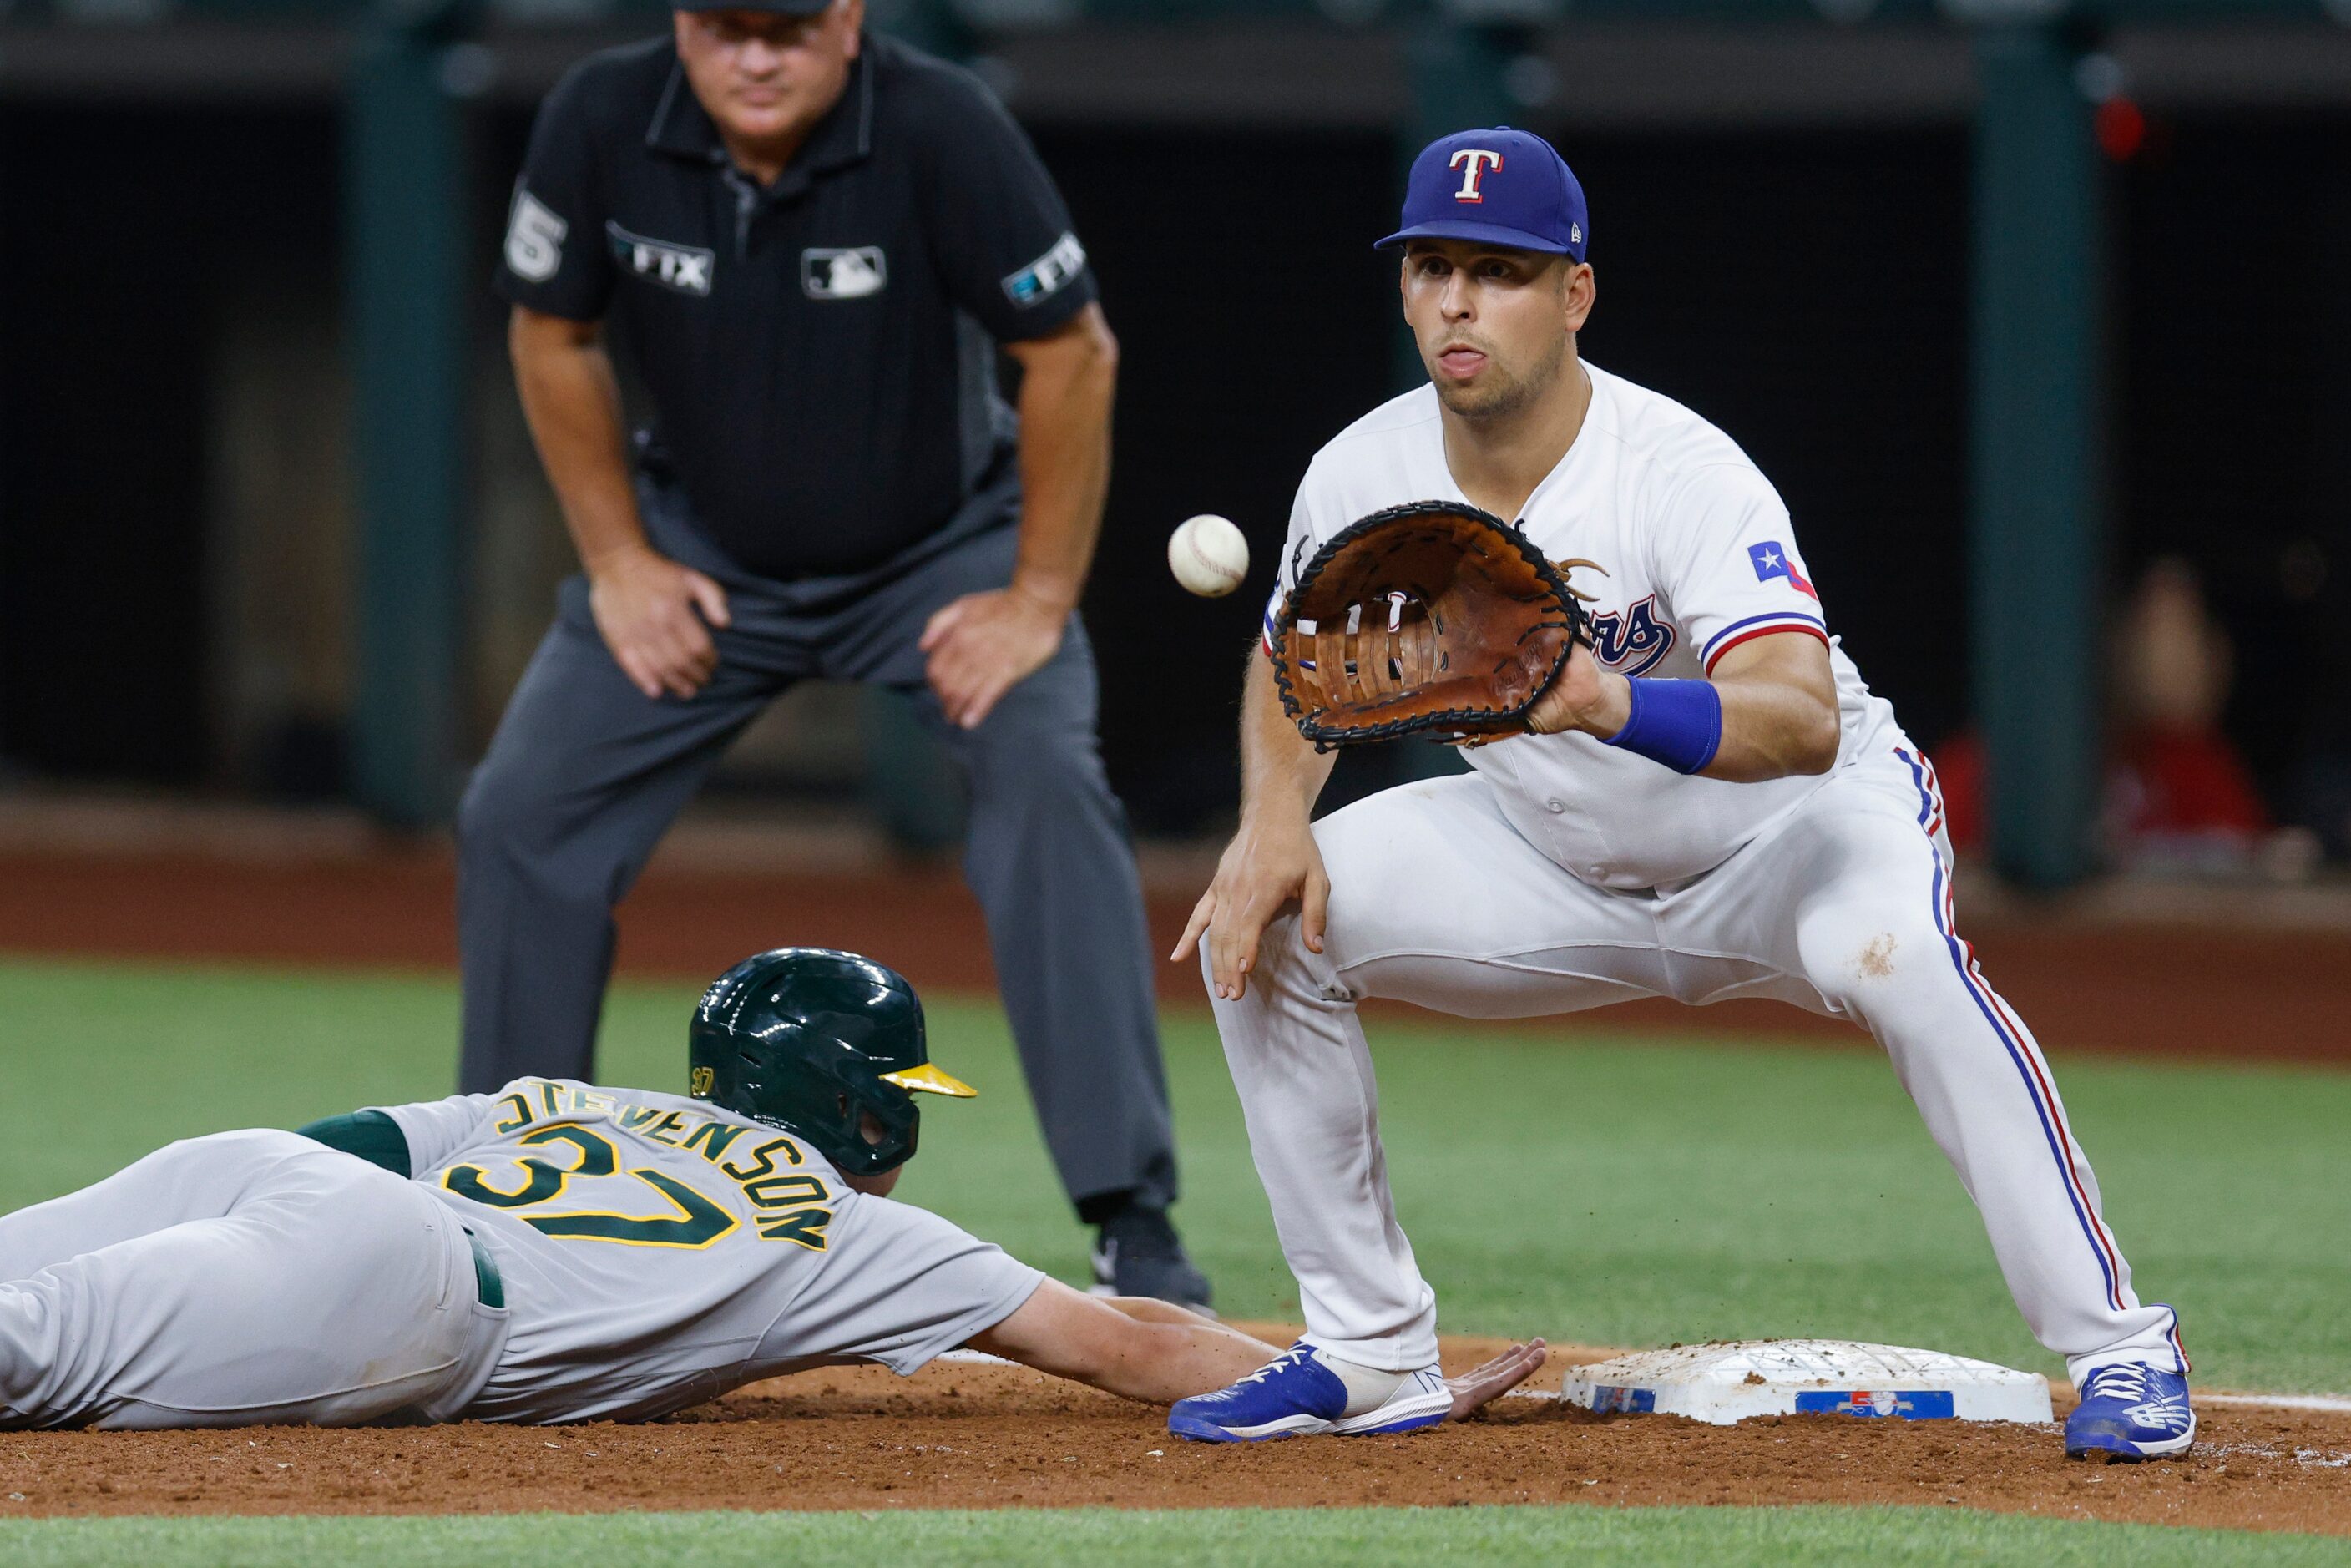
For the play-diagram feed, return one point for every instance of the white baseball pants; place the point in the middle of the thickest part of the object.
(1843, 907)
(237, 1280)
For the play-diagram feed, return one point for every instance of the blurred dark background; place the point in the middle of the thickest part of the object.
(1789, 254)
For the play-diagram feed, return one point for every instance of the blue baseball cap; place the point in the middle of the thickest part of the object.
(1498, 187)
(775, 7)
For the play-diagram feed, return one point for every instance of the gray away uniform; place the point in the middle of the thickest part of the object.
(560, 1253)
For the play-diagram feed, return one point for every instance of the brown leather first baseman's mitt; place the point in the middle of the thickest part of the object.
(1433, 618)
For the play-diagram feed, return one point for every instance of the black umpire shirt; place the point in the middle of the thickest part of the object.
(821, 353)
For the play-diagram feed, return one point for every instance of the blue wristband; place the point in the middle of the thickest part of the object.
(1676, 723)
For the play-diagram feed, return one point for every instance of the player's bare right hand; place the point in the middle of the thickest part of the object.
(1269, 866)
(651, 614)
(1480, 1385)
(1585, 697)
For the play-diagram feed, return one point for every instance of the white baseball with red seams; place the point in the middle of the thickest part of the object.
(1208, 555)
(1564, 873)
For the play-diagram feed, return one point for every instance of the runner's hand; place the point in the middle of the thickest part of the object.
(1480, 1385)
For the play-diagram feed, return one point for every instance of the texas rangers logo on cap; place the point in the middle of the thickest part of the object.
(1498, 186)
(1473, 162)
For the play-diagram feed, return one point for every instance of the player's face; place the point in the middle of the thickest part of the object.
(1495, 325)
(765, 79)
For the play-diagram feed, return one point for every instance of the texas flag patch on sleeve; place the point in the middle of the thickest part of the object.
(1772, 562)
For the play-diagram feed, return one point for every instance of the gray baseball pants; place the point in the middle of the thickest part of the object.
(240, 1279)
(586, 773)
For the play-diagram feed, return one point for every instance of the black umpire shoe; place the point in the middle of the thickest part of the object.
(1139, 1254)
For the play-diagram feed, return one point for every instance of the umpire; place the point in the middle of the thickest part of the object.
(810, 244)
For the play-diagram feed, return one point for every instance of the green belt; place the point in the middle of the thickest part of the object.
(487, 1285)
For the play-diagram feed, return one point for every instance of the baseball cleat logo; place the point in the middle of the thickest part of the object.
(2167, 1414)
(1474, 162)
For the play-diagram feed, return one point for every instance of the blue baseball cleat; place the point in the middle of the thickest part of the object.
(2133, 1412)
(1296, 1395)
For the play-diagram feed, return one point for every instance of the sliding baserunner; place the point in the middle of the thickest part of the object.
(560, 1252)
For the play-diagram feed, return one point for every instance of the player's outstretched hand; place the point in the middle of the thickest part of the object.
(1270, 865)
(1480, 1385)
(651, 614)
(984, 644)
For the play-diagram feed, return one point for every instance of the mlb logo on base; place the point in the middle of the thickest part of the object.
(1915, 1405)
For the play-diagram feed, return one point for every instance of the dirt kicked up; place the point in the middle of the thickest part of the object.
(974, 1436)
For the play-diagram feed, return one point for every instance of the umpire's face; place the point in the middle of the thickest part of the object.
(767, 77)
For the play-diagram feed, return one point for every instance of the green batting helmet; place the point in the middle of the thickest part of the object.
(810, 1040)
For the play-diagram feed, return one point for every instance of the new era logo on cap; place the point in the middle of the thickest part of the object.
(1500, 186)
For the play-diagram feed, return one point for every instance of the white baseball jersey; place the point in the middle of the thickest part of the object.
(1563, 874)
(1687, 552)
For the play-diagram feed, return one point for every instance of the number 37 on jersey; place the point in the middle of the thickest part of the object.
(583, 1170)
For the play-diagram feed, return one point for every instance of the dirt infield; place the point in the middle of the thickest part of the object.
(2224, 991)
(985, 1436)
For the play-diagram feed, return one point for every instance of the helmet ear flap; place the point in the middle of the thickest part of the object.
(812, 1041)
(878, 1133)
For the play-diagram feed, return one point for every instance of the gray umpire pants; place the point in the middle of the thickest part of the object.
(586, 773)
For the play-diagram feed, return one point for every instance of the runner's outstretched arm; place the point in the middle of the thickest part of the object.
(1158, 1353)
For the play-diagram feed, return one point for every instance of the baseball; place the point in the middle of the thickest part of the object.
(1207, 555)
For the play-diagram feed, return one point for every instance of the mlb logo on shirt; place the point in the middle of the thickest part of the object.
(849, 272)
(1772, 562)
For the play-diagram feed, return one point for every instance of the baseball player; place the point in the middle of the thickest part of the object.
(1711, 804)
(560, 1252)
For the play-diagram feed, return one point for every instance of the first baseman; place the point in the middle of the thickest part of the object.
(1711, 805)
(560, 1252)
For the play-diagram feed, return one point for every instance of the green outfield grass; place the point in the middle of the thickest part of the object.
(1216, 1538)
(1590, 1187)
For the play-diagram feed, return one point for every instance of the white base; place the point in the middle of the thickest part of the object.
(1722, 1384)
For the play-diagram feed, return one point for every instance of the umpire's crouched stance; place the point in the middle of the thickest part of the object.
(811, 243)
